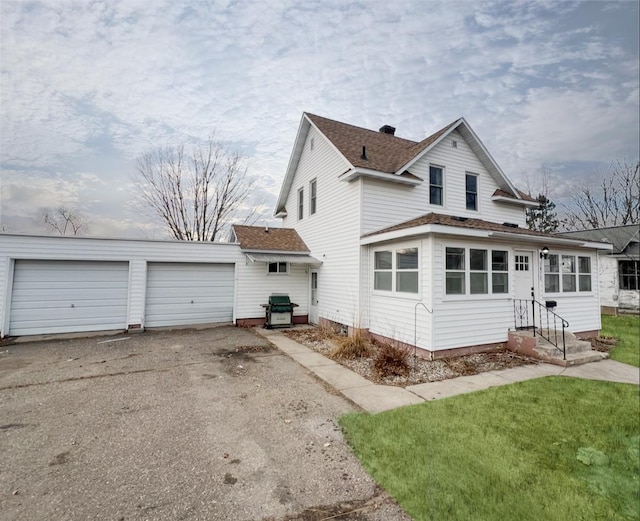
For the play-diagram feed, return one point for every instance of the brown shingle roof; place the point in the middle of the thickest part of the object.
(459, 222)
(524, 196)
(257, 238)
(384, 152)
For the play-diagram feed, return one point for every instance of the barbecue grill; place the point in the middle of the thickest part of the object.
(279, 311)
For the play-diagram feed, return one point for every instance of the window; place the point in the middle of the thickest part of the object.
(300, 203)
(629, 272)
(584, 273)
(478, 272)
(567, 274)
(522, 263)
(312, 197)
(454, 271)
(407, 270)
(500, 271)
(382, 273)
(435, 185)
(396, 270)
(471, 187)
(487, 271)
(278, 267)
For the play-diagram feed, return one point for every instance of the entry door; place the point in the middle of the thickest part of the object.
(524, 274)
(313, 308)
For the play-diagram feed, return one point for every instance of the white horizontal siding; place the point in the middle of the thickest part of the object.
(135, 252)
(402, 317)
(332, 233)
(255, 285)
(385, 204)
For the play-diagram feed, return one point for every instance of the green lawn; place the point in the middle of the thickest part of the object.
(627, 330)
(555, 448)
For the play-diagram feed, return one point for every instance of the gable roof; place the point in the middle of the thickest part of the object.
(619, 236)
(385, 153)
(260, 238)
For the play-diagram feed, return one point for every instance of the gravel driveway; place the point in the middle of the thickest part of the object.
(212, 424)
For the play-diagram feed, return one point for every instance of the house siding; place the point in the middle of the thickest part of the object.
(254, 286)
(332, 233)
(137, 253)
(402, 316)
(385, 203)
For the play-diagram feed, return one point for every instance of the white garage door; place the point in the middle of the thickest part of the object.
(185, 294)
(68, 296)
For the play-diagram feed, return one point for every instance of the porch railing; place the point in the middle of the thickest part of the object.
(537, 317)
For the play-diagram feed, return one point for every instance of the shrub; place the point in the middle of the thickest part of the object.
(352, 347)
(391, 360)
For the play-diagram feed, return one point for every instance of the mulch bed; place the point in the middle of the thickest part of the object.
(419, 370)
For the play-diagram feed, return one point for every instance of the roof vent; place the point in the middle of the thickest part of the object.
(458, 218)
(364, 153)
(388, 129)
(511, 225)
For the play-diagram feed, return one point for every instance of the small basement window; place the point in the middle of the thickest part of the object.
(278, 267)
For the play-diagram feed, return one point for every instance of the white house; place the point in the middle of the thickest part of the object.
(619, 273)
(420, 242)
(425, 242)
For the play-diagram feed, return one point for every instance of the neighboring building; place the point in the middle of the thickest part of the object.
(619, 274)
(425, 242)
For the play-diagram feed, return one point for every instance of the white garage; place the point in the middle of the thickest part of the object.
(56, 296)
(189, 293)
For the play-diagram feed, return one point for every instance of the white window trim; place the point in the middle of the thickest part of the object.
(576, 274)
(467, 295)
(444, 182)
(394, 271)
(313, 199)
(300, 204)
(278, 273)
(477, 176)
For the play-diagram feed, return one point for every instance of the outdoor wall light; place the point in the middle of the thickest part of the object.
(544, 252)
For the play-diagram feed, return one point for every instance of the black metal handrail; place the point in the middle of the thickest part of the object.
(524, 315)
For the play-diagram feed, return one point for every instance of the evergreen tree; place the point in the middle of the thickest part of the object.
(543, 218)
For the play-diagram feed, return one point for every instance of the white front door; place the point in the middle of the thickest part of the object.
(313, 307)
(524, 274)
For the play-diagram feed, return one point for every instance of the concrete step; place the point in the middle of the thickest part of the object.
(577, 351)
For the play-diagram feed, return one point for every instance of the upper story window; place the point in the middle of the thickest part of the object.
(396, 270)
(312, 197)
(436, 185)
(567, 274)
(471, 189)
(300, 203)
(487, 271)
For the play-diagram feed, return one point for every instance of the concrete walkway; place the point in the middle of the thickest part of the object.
(375, 398)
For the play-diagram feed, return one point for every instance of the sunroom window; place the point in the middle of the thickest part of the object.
(487, 271)
(396, 270)
(567, 274)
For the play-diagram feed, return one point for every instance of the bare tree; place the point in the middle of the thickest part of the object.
(196, 194)
(64, 220)
(612, 202)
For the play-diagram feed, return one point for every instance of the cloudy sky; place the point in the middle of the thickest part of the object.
(87, 87)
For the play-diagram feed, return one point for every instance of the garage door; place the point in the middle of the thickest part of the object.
(185, 294)
(68, 296)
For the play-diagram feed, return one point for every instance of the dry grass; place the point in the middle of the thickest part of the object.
(351, 347)
(391, 360)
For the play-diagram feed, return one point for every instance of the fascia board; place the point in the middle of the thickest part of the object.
(551, 240)
(423, 230)
(353, 173)
(509, 200)
(303, 131)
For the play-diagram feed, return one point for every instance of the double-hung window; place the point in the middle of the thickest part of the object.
(476, 271)
(567, 273)
(300, 204)
(471, 190)
(396, 270)
(436, 185)
(312, 197)
(629, 272)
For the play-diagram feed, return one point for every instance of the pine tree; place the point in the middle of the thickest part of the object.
(543, 218)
